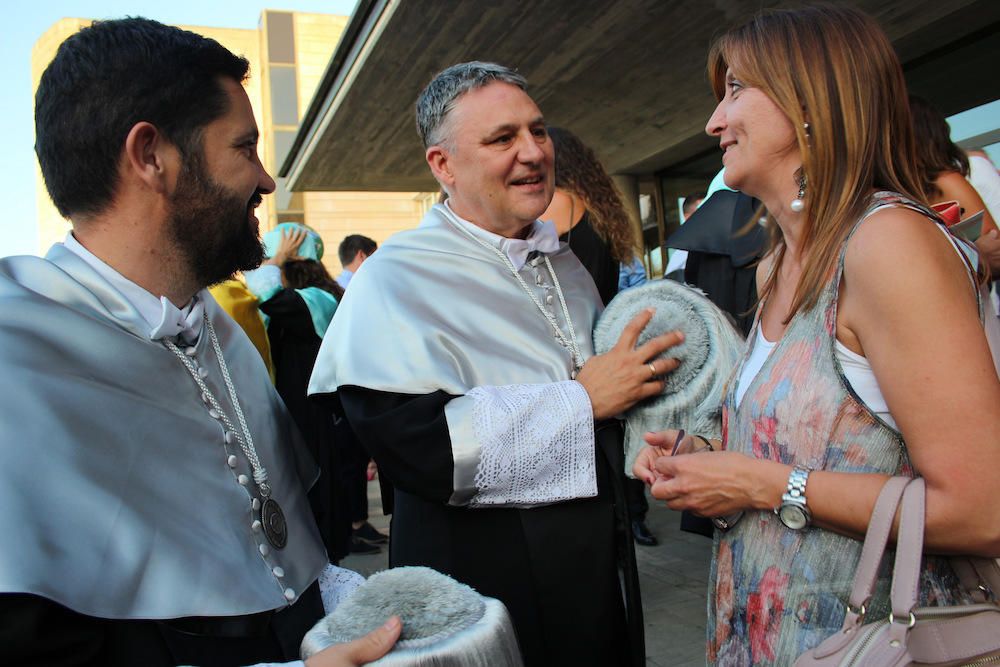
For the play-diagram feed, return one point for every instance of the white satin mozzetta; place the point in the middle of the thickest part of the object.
(120, 496)
(433, 310)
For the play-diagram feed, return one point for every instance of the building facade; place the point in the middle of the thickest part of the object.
(288, 54)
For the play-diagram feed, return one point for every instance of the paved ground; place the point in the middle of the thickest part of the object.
(673, 577)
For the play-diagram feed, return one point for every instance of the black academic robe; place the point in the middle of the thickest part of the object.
(38, 631)
(294, 346)
(554, 567)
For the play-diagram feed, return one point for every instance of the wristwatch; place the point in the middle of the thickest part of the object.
(793, 511)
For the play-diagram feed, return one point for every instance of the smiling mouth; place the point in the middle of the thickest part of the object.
(528, 180)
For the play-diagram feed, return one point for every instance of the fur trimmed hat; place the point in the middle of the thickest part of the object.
(693, 393)
(445, 623)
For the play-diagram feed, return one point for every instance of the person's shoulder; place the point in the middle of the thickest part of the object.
(899, 241)
(894, 229)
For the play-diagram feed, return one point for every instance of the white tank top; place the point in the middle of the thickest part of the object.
(857, 371)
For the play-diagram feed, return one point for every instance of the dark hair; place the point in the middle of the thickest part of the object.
(579, 171)
(690, 202)
(936, 152)
(302, 273)
(350, 246)
(110, 76)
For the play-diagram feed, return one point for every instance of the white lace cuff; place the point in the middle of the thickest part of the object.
(522, 445)
(335, 584)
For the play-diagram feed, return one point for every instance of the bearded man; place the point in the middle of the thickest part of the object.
(153, 486)
(463, 359)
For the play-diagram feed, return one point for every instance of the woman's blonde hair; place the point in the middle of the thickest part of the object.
(832, 67)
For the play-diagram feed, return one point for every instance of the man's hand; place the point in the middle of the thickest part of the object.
(361, 651)
(288, 247)
(989, 250)
(624, 375)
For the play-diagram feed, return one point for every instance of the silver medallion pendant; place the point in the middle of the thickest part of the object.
(273, 521)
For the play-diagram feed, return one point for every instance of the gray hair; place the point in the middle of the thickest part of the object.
(439, 97)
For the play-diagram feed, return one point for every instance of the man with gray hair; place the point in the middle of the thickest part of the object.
(475, 386)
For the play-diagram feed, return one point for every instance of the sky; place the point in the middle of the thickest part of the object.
(27, 21)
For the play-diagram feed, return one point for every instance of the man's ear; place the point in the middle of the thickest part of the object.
(149, 157)
(439, 162)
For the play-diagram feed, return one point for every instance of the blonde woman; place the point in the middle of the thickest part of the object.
(867, 359)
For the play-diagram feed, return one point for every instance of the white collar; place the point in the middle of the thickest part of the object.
(542, 237)
(163, 317)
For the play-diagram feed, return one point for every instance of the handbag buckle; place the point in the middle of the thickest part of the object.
(909, 624)
(860, 613)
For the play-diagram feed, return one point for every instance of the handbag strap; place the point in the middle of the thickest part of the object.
(876, 539)
(909, 552)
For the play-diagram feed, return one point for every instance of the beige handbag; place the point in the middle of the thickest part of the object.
(926, 636)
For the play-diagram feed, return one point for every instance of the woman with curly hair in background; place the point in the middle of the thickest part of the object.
(589, 215)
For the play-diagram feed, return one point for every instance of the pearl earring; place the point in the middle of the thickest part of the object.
(797, 204)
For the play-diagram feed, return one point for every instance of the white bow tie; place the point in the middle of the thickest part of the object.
(184, 323)
(543, 239)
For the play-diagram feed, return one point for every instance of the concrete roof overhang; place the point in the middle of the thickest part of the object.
(627, 76)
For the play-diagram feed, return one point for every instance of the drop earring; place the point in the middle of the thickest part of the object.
(797, 204)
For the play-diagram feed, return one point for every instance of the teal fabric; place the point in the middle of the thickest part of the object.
(312, 245)
(322, 305)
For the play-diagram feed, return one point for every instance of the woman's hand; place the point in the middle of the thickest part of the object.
(665, 443)
(288, 246)
(708, 483)
(719, 483)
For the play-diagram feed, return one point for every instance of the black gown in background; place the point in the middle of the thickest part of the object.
(595, 256)
(294, 346)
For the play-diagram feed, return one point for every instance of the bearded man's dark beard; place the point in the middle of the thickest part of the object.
(211, 226)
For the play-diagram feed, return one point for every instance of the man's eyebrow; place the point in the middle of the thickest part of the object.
(248, 137)
(512, 127)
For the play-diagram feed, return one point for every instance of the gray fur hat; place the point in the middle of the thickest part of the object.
(445, 623)
(692, 395)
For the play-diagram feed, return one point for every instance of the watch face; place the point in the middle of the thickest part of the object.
(792, 516)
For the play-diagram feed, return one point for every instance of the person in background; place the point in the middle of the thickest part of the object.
(944, 168)
(631, 274)
(589, 215)
(299, 298)
(984, 178)
(353, 251)
(234, 297)
(678, 258)
(844, 383)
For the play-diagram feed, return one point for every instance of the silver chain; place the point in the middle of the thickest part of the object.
(569, 343)
(245, 439)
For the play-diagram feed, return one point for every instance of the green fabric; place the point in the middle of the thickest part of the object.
(322, 305)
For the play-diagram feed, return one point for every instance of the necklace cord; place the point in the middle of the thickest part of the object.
(245, 439)
(569, 343)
